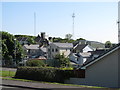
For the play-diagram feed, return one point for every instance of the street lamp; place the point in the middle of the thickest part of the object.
(15, 52)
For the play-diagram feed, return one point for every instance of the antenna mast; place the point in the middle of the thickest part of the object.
(73, 16)
(34, 23)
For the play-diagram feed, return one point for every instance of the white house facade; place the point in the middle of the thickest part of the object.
(59, 48)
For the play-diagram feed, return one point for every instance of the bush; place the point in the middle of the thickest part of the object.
(44, 74)
(33, 63)
(62, 61)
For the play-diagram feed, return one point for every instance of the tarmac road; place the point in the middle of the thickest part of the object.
(35, 84)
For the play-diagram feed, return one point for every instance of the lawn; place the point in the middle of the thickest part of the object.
(7, 73)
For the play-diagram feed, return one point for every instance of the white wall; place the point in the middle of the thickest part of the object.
(51, 53)
(65, 51)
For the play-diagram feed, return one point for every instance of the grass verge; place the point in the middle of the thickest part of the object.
(7, 73)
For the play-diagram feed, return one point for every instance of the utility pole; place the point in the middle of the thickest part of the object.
(73, 16)
(34, 24)
(14, 62)
(118, 31)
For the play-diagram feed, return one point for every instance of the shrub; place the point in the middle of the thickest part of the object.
(44, 74)
(62, 61)
(33, 63)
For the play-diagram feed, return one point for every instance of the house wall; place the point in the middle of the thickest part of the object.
(52, 51)
(78, 60)
(103, 73)
(119, 68)
(66, 51)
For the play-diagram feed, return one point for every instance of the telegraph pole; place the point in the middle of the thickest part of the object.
(73, 16)
(118, 31)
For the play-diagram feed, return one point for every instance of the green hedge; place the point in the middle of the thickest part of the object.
(44, 74)
(33, 63)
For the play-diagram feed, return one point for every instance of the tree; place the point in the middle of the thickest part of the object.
(68, 36)
(80, 39)
(62, 61)
(11, 49)
(108, 44)
(31, 40)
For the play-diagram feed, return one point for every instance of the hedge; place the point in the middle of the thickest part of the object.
(44, 74)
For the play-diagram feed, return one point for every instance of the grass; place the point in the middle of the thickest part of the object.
(7, 73)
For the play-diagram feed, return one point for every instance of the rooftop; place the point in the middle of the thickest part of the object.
(101, 56)
(64, 45)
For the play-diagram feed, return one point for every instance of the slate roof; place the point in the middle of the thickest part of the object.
(31, 46)
(104, 54)
(97, 52)
(36, 46)
(80, 47)
(85, 54)
(64, 45)
(22, 38)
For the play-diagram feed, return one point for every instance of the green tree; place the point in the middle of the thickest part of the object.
(11, 49)
(31, 40)
(68, 36)
(62, 61)
(108, 44)
(80, 39)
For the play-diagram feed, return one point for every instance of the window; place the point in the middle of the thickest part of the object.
(56, 50)
(29, 51)
(48, 50)
(52, 50)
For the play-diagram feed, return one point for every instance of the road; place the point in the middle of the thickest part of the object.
(36, 85)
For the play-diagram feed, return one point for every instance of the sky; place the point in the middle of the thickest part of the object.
(94, 21)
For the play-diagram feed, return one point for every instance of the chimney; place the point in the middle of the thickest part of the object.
(43, 35)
